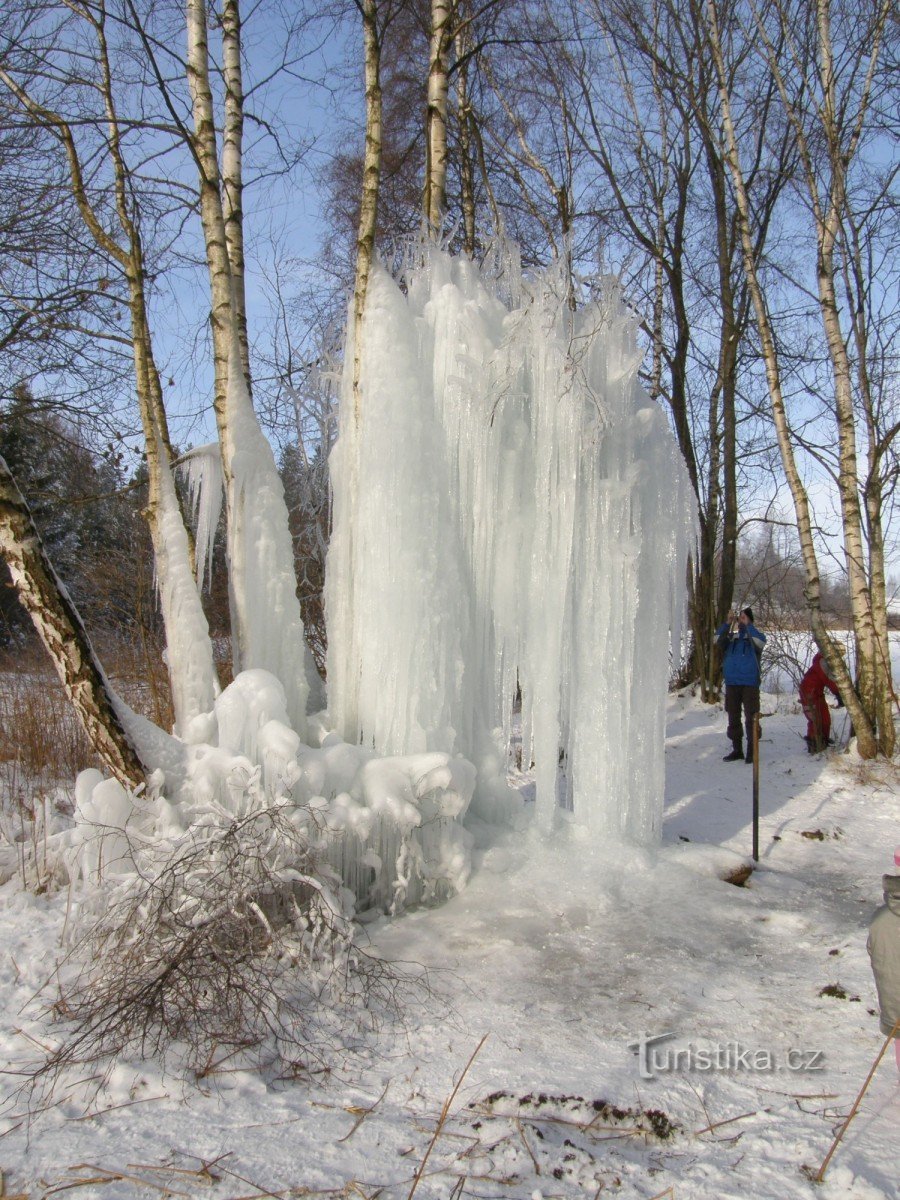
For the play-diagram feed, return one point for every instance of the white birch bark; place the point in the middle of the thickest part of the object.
(342, 610)
(840, 128)
(368, 208)
(828, 229)
(59, 627)
(232, 167)
(436, 116)
(466, 163)
(192, 674)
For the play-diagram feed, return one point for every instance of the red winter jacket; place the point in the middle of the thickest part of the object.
(817, 679)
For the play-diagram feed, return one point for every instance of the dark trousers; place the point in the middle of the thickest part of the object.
(737, 697)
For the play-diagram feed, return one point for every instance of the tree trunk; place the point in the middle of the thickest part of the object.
(267, 626)
(60, 629)
(828, 226)
(192, 675)
(212, 216)
(232, 168)
(368, 207)
(466, 158)
(873, 492)
(436, 115)
(342, 553)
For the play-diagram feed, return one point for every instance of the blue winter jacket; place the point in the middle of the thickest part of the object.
(742, 649)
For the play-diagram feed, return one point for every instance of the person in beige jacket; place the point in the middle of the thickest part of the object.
(884, 951)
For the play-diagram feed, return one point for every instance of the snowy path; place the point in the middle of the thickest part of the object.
(562, 959)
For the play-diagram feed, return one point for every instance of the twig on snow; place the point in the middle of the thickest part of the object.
(537, 1169)
(729, 1121)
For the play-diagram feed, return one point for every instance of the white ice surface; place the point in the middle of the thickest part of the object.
(202, 469)
(265, 609)
(561, 958)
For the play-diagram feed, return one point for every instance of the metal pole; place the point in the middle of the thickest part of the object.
(756, 787)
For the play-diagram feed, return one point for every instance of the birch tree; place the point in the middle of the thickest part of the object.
(827, 100)
(111, 217)
(644, 158)
(442, 35)
(371, 180)
(60, 628)
(267, 627)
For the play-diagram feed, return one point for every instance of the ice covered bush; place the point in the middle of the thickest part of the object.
(231, 938)
(212, 912)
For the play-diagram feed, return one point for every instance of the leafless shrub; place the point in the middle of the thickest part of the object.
(135, 662)
(229, 944)
(786, 658)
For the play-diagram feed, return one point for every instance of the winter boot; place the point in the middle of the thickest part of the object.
(749, 757)
(735, 756)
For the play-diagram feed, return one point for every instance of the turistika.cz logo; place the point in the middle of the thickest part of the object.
(656, 1057)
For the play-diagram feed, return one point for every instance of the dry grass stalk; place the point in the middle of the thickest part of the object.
(720, 1124)
(819, 1176)
(445, 1111)
(361, 1114)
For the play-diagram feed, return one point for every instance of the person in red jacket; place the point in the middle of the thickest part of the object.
(812, 701)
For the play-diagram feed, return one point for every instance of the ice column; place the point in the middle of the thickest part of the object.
(510, 508)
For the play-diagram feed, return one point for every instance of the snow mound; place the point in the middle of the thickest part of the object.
(390, 828)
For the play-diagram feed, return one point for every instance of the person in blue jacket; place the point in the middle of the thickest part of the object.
(741, 644)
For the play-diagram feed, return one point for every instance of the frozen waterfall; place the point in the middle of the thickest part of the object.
(511, 511)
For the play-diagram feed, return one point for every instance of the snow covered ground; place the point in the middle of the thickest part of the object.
(559, 960)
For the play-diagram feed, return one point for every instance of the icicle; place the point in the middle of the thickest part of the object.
(192, 671)
(202, 471)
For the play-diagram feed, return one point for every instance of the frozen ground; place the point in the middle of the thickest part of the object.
(558, 960)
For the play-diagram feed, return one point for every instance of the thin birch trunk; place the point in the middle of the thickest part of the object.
(212, 216)
(232, 168)
(873, 489)
(466, 161)
(828, 229)
(368, 208)
(223, 320)
(267, 626)
(436, 115)
(837, 120)
(192, 674)
(60, 628)
(343, 609)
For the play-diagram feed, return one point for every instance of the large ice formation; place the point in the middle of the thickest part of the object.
(511, 518)
(510, 512)
(391, 828)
